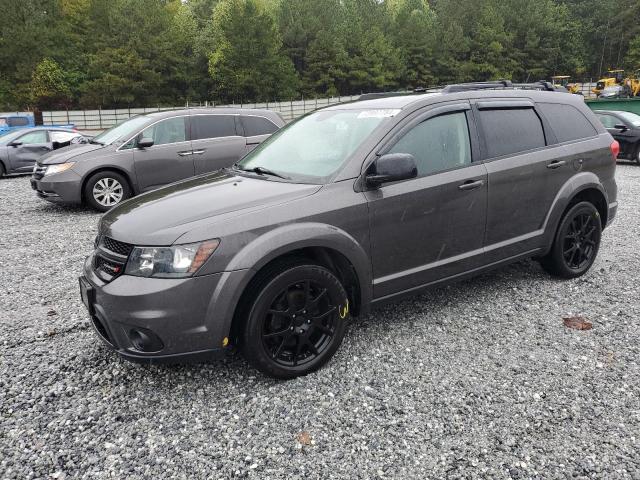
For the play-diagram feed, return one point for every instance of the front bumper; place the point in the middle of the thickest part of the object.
(64, 188)
(186, 318)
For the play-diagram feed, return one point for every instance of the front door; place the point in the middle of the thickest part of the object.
(169, 159)
(431, 227)
(27, 149)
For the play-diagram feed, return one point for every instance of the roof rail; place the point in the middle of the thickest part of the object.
(415, 91)
(501, 85)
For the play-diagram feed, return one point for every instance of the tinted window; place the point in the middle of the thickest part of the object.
(212, 126)
(171, 130)
(18, 121)
(567, 122)
(438, 144)
(37, 136)
(511, 130)
(257, 126)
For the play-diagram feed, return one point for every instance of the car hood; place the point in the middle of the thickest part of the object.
(162, 216)
(65, 154)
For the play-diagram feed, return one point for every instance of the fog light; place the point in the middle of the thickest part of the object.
(145, 340)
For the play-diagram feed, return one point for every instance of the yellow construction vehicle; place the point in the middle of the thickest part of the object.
(563, 81)
(632, 84)
(616, 77)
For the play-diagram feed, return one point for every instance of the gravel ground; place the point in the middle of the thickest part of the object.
(478, 379)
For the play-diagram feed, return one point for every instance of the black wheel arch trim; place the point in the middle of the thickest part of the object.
(278, 243)
(574, 187)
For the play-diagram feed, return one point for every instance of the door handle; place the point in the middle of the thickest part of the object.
(471, 185)
(185, 154)
(198, 152)
(556, 164)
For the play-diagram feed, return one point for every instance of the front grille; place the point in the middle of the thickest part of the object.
(115, 246)
(106, 269)
(38, 171)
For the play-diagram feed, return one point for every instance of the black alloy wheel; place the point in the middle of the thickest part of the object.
(299, 325)
(580, 241)
(576, 243)
(297, 321)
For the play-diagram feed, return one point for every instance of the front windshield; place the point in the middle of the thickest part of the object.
(122, 131)
(313, 148)
(630, 117)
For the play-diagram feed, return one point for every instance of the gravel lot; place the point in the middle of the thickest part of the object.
(478, 379)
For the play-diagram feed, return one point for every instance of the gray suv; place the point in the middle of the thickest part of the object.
(149, 151)
(351, 206)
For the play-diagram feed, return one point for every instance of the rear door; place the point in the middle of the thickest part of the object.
(27, 149)
(216, 142)
(431, 227)
(169, 159)
(527, 167)
(256, 130)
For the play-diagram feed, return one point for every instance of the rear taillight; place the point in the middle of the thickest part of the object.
(615, 149)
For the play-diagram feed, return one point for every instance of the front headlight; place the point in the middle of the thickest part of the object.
(59, 168)
(175, 261)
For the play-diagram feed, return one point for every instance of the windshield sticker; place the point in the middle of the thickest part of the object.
(379, 113)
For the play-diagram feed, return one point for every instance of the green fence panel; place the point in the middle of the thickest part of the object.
(624, 104)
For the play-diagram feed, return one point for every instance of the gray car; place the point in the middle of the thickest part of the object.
(349, 207)
(20, 149)
(149, 151)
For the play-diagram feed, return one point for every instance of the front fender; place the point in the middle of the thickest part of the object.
(241, 269)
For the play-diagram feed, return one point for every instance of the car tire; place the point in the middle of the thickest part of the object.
(104, 190)
(576, 243)
(636, 155)
(297, 319)
(2, 170)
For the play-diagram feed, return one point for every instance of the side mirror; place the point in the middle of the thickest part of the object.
(15, 144)
(621, 126)
(392, 167)
(145, 142)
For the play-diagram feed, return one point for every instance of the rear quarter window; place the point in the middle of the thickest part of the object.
(567, 122)
(511, 130)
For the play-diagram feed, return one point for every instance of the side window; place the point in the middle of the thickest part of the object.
(61, 137)
(38, 136)
(609, 121)
(511, 130)
(438, 144)
(212, 126)
(171, 130)
(567, 122)
(257, 126)
(18, 121)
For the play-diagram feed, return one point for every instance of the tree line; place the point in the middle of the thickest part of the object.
(118, 53)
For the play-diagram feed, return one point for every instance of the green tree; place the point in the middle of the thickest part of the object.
(247, 63)
(49, 87)
(413, 34)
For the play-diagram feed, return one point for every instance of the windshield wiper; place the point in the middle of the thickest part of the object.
(264, 171)
(95, 142)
